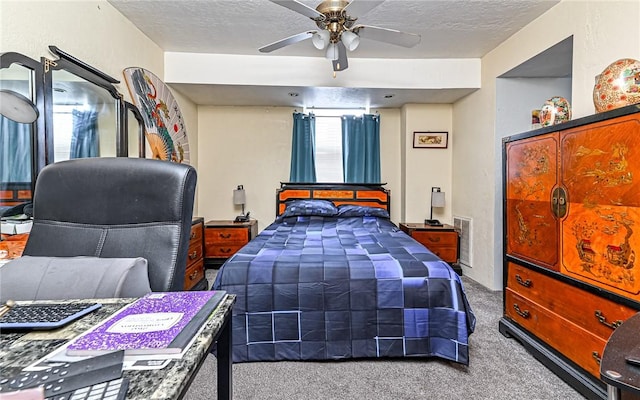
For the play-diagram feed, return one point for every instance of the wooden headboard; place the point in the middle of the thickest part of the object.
(364, 194)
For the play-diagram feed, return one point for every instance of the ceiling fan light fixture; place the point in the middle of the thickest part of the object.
(332, 52)
(320, 39)
(350, 40)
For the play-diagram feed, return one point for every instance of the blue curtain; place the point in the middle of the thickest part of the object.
(361, 148)
(303, 150)
(84, 142)
(15, 151)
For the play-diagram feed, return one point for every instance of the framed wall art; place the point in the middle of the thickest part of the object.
(430, 140)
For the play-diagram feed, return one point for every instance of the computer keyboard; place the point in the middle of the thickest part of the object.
(44, 316)
(115, 389)
(93, 378)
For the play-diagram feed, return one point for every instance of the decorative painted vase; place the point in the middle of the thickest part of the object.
(618, 85)
(555, 111)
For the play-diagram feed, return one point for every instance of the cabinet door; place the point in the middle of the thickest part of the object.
(531, 175)
(600, 168)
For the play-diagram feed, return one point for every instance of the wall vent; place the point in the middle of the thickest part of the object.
(463, 225)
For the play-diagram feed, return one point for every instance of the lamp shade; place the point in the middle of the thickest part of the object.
(320, 39)
(350, 40)
(437, 199)
(17, 107)
(332, 52)
(239, 196)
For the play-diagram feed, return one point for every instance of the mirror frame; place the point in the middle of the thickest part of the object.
(38, 132)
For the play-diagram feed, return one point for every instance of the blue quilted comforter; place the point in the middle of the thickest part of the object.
(315, 288)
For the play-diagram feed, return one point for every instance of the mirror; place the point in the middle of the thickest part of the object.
(80, 114)
(85, 111)
(18, 141)
(83, 117)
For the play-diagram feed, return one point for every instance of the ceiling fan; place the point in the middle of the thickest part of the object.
(337, 31)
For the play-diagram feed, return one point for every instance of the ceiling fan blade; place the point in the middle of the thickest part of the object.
(300, 8)
(391, 36)
(342, 62)
(286, 42)
(357, 8)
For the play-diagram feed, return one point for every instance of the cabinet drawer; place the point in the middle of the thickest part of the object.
(222, 250)
(196, 233)
(579, 345)
(226, 235)
(593, 313)
(436, 238)
(195, 253)
(448, 254)
(194, 274)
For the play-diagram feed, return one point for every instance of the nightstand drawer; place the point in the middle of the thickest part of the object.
(196, 252)
(196, 233)
(448, 254)
(222, 250)
(194, 274)
(227, 235)
(436, 238)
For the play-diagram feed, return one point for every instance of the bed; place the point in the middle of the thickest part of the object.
(333, 278)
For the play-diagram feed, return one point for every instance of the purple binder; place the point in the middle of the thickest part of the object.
(158, 323)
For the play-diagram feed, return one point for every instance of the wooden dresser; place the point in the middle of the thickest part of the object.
(224, 238)
(13, 245)
(572, 206)
(443, 241)
(194, 278)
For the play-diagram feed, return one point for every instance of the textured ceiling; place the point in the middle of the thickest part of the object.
(449, 28)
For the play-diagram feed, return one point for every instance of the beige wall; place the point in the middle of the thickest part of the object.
(426, 168)
(251, 146)
(92, 31)
(246, 146)
(603, 31)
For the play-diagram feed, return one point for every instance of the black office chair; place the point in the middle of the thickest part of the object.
(115, 208)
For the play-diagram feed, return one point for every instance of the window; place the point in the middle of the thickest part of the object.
(329, 142)
(63, 127)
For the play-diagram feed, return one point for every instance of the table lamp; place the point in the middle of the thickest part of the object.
(240, 198)
(437, 201)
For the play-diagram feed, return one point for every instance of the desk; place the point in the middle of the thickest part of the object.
(18, 350)
(614, 370)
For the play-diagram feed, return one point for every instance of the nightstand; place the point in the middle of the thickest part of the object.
(443, 241)
(222, 239)
(194, 275)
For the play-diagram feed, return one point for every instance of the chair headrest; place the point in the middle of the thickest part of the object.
(113, 191)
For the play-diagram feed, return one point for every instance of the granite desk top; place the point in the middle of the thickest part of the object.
(18, 350)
